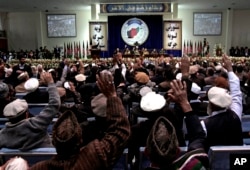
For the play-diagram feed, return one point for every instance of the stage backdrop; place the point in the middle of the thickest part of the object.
(154, 40)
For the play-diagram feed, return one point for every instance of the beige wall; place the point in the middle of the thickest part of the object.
(187, 33)
(28, 30)
(241, 28)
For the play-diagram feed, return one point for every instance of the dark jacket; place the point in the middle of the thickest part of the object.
(226, 132)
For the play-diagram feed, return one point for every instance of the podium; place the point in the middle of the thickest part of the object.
(95, 53)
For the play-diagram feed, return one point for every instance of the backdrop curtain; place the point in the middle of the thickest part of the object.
(155, 37)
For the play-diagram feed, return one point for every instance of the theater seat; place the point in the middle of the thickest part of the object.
(36, 108)
(144, 160)
(33, 156)
(219, 156)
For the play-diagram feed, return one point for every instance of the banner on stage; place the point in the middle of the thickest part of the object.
(136, 8)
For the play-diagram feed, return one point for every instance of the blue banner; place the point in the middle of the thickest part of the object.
(135, 8)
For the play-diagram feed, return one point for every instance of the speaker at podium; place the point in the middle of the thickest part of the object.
(95, 53)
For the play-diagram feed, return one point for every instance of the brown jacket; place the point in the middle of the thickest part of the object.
(98, 154)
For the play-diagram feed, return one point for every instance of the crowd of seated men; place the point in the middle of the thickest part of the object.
(165, 92)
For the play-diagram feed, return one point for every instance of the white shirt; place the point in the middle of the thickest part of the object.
(235, 92)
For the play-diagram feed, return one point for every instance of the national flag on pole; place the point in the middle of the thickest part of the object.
(83, 49)
(200, 48)
(75, 48)
(195, 48)
(88, 50)
(68, 50)
(71, 49)
(79, 50)
(191, 47)
(184, 48)
(64, 49)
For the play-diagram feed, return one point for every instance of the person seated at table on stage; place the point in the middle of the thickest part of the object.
(136, 51)
(127, 51)
(117, 50)
(154, 52)
(162, 51)
(145, 52)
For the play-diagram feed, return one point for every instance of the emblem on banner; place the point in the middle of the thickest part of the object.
(134, 32)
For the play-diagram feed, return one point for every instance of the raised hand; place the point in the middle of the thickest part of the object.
(105, 84)
(185, 63)
(179, 94)
(227, 62)
(47, 77)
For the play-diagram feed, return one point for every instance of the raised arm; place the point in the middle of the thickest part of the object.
(44, 118)
(234, 85)
(118, 131)
(196, 134)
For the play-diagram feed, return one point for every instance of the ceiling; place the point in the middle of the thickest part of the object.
(74, 5)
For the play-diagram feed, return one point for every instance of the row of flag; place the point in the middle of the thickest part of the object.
(194, 48)
(74, 49)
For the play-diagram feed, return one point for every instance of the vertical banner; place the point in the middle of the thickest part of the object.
(98, 33)
(172, 35)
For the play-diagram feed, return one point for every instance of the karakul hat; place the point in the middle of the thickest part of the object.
(193, 69)
(219, 97)
(17, 163)
(8, 72)
(80, 77)
(178, 76)
(195, 88)
(152, 102)
(162, 142)
(177, 65)
(99, 105)
(141, 77)
(15, 108)
(66, 85)
(31, 85)
(51, 70)
(4, 90)
(144, 90)
(85, 65)
(218, 67)
(22, 76)
(67, 135)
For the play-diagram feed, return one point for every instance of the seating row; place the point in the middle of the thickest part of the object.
(220, 157)
(39, 154)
